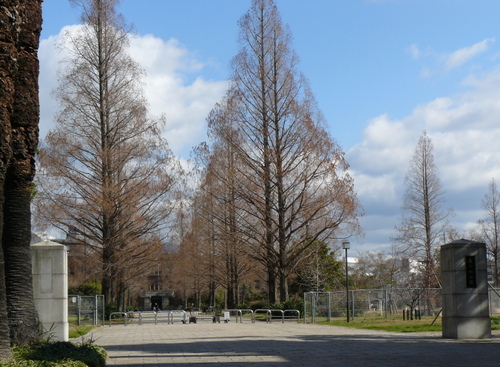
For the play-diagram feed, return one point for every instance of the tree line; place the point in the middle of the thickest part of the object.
(261, 210)
(268, 188)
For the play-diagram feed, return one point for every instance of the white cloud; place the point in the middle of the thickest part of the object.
(467, 159)
(437, 63)
(172, 87)
(371, 188)
(459, 57)
(186, 103)
(414, 51)
(50, 56)
(384, 145)
(465, 131)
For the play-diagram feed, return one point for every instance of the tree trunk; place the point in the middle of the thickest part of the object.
(107, 275)
(7, 68)
(271, 285)
(496, 273)
(283, 287)
(16, 236)
(5, 351)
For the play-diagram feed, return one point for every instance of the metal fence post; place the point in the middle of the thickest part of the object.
(352, 304)
(305, 307)
(313, 307)
(386, 305)
(329, 304)
(78, 302)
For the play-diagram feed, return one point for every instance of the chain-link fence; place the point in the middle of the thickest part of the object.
(323, 306)
(86, 310)
(494, 298)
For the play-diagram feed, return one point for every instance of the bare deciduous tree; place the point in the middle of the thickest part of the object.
(107, 173)
(218, 210)
(423, 222)
(488, 230)
(292, 183)
(375, 271)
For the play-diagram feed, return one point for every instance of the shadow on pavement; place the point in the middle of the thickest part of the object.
(310, 350)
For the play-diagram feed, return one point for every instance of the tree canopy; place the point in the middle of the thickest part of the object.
(107, 173)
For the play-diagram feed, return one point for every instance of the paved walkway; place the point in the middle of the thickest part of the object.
(289, 344)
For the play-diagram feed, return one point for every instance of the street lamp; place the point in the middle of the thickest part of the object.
(346, 245)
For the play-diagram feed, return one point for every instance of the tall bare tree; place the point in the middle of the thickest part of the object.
(218, 206)
(292, 180)
(488, 230)
(19, 37)
(423, 222)
(375, 270)
(108, 173)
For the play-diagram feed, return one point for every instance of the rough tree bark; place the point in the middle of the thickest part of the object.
(23, 19)
(23, 319)
(8, 58)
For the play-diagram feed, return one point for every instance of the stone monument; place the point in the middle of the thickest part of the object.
(465, 290)
(50, 288)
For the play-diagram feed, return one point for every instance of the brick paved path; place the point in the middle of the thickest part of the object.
(289, 344)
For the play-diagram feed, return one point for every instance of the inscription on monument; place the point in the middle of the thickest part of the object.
(46, 275)
(470, 271)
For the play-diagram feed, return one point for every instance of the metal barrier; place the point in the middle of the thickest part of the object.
(248, 311)
(227, 313)
(279, 311)
(86, 310)
(282, 314)
(260, 310)
(124, 315)
(212, 316)
(146, 316)
(238, 313)
(180, 315)
(296, 312)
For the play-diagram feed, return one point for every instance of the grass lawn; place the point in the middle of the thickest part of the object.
(397, 324)
(77, 331)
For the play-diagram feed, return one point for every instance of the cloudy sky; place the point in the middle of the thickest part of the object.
(382, 71)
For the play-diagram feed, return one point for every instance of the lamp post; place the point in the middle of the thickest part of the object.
(346, 245)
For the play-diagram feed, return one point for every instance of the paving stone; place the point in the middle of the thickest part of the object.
(289, 344)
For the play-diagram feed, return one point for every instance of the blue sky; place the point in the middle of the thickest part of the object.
(381, 70)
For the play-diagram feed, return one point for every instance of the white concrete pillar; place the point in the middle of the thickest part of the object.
(50, 287)
(465, 290)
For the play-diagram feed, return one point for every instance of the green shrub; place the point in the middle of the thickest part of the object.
(258, 304)
(87, 289)
(294, 304)
(109, 308)
(28, 363)
(51, 354)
